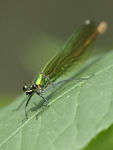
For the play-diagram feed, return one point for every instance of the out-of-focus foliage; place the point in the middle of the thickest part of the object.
(5, 100)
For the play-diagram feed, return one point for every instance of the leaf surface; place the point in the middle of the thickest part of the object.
(78, 111)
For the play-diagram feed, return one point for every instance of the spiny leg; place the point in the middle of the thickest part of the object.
(62, 82)
(52, 87)
(26, 107)
(43, 106)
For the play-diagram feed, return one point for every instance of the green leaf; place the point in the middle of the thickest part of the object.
(78, 111)
(103, 141)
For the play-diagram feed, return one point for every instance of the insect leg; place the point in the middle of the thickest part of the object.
(43, 106)
(26, 107)
(62, 82)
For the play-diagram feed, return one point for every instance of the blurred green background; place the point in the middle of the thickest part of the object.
(31, 32)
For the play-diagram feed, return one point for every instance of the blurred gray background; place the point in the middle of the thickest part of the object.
(31, 32)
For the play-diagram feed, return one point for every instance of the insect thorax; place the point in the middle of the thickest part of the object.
(42, 81)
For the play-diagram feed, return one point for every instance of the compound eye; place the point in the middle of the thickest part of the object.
(34, 86)
(25, 88)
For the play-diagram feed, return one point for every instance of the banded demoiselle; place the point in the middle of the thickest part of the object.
(76, 49)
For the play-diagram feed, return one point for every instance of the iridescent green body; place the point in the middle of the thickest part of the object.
(42, 82)
(75, 52)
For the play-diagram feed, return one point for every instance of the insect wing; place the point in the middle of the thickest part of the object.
(76, 50)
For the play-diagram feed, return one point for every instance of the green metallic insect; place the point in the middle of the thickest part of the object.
(76, 50)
